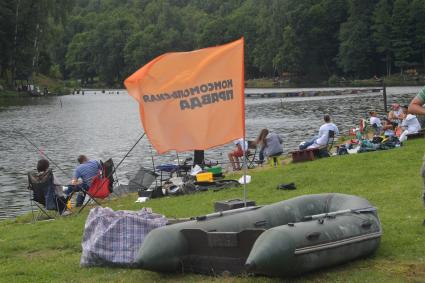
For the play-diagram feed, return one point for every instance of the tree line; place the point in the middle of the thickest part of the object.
(310, 39)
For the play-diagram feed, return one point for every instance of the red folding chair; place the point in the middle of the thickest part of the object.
(102, 184)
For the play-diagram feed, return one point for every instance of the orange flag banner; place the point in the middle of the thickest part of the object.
(192, 100)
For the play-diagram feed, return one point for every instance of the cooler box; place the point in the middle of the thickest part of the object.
(223, 205)
(204, 177)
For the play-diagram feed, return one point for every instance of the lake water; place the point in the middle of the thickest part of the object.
(107, 125)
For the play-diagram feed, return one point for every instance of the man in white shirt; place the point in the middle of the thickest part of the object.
(410, 125)
(323, 138)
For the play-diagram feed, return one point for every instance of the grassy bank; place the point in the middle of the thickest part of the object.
(50, 251)
(11, 93)
(53, 85)
(395, 80)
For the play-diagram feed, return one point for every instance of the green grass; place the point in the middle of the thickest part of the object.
(50, 251)
(11, 93)
(394, 80)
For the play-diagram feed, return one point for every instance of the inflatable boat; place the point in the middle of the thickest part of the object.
(287, 238)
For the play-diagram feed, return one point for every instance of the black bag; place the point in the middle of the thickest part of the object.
(342, 150)
(377, 139)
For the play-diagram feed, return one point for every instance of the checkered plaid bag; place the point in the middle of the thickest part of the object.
(114, 237)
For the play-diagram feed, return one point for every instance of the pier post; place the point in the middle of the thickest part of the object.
(384, 93)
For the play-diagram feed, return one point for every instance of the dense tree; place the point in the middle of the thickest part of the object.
(106, 40)
(289, 55)
(7, 31)
(401, 35)
(355, 50)
(80, 57)
(382, 25)
(417, 16)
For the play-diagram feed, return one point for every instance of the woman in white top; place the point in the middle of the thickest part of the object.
(375, 122)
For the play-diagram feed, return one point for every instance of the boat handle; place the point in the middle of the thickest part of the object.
(313, 236)
(366, 224)
(260, 223)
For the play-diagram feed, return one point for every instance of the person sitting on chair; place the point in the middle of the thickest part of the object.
(239, 151)
(322, 139)
(410, 125)
(270, 144)
(83, 176)
(388, 128)
(396, 114)
(43, 170)
(375, 122)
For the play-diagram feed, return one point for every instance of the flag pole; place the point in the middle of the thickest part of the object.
(244, 172)
(244, 123)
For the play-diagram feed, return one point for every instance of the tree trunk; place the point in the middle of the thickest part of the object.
(15, 41)
(423, 55)
(388, 63)
(35, 57)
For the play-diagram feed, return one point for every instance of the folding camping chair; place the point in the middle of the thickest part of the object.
(142, 180)
(43, 194)
(102, 184)
(326, 150)
(250, 154)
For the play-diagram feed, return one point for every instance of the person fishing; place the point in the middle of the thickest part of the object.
(82, 178)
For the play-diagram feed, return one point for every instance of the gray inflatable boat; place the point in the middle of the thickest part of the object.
(287, 238)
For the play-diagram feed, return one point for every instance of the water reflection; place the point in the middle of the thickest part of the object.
(107, 125)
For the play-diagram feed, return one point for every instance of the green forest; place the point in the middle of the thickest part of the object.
(104, 41)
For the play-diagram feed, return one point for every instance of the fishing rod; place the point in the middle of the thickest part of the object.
(153, 165)
(126, 155)
(41, 152)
